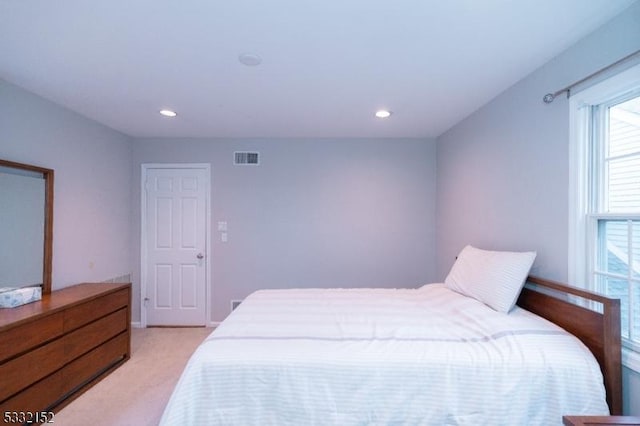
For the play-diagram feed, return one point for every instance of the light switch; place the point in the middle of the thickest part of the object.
(223, 237)
(222, 226)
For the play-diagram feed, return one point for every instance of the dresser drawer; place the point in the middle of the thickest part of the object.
(37, 397)
(90, 311)
(30, 335)
(30, 367)
(94, 334)
(87, 366)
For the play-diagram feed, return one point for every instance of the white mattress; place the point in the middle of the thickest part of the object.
(425, 356)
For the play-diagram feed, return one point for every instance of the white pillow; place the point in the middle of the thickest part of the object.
(495, 278)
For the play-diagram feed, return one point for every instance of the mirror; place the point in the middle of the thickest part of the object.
(26, 225)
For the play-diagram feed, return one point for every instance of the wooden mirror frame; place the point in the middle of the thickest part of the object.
(47, 175)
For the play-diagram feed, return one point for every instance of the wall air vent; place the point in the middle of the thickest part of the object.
(246, 158)
(234, 304)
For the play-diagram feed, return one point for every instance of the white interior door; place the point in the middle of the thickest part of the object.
(175, 267)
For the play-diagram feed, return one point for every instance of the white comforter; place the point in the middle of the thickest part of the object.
(425, 356)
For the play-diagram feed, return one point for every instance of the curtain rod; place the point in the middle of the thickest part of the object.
(549, 97)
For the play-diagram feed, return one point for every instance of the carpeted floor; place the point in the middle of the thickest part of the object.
(137, 392)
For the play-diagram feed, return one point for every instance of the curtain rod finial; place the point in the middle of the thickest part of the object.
(548, 98)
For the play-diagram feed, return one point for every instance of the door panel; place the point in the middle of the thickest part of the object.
(176, 229)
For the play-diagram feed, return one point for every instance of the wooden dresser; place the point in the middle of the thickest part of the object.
(54, 349)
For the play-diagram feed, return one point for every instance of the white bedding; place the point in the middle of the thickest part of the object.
(425, 356)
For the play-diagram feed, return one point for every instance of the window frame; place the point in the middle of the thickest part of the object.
(593, 268)
(585, 210)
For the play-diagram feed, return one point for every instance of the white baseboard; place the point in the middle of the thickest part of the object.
(136, 324)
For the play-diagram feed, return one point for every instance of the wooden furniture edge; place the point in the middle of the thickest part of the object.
(600, 420)
(603, 341)
(47, 266)
(13, 317)
(47, 261)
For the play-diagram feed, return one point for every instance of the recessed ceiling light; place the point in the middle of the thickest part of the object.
(250, 59)
(168, 113)
(383, 113)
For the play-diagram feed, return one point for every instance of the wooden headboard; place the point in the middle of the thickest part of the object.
(600, 332)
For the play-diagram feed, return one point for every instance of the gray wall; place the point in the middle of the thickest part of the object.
(315, 213)
(92, 164)
(503, 172)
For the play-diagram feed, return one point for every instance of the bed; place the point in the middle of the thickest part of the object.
(404, 356)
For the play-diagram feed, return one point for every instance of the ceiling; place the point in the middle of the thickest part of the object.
(326, 67)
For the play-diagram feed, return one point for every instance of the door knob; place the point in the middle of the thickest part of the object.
(200, 256)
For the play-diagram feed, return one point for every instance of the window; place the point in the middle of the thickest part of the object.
(605, 186)
(616, 266)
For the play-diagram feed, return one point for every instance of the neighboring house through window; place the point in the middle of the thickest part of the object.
(605, 197)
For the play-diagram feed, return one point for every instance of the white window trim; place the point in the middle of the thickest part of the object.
(580, 252)
(631, 359)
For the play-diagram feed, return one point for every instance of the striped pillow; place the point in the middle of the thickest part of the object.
(494, 278)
